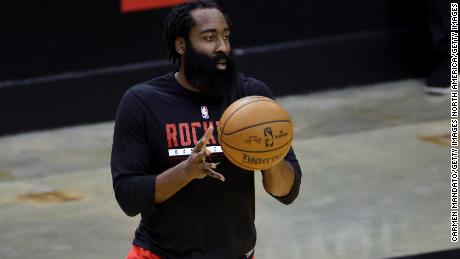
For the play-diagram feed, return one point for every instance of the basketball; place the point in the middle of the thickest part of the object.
(255, 133)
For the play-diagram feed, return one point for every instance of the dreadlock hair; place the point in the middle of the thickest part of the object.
(179, 23)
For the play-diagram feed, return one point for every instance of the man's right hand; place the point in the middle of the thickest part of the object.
(196, 166)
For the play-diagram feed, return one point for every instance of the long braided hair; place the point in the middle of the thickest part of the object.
(179, 23)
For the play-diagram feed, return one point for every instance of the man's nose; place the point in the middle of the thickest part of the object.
(223, 46)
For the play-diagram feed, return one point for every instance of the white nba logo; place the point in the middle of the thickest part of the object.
(204, 112)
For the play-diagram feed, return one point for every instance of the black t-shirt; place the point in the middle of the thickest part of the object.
(158, 123)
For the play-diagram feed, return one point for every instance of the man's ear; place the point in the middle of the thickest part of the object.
(180, 45)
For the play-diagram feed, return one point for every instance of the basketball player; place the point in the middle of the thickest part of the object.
(194, 203)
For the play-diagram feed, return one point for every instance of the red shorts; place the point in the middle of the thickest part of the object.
(137, 252)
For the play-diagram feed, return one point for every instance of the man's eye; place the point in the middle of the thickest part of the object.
(210, 38)
(226, 37)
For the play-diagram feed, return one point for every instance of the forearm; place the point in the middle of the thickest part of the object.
(134, 193)
(279, 179)
(170, 181)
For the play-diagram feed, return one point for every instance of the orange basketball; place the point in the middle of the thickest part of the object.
(255, 133)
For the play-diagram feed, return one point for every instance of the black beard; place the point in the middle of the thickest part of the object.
(201, 72)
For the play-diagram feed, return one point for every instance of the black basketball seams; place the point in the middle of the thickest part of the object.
(230, 116)
(264, 151)
(235, 161)
(254, 125)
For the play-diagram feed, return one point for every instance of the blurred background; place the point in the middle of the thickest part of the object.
(373, 146)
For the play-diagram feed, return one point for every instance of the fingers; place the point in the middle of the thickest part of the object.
(204, 140)
(200, 148)
(208, 168)
(203, 154)
(216, 175)
(208, 133)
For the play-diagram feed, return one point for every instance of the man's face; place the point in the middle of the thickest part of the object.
(211, 34)
(206, 60)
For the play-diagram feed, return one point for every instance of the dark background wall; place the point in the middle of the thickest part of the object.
(69, 62)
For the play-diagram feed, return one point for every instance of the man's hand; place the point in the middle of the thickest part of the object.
(279, 179)
(196, 166)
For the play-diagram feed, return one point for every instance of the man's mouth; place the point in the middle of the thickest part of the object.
(221, 64)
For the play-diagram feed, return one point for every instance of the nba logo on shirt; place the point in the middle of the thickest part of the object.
(204, 112)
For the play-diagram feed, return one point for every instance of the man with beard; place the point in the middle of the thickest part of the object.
(194, 202)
